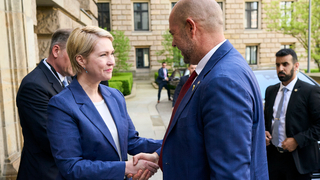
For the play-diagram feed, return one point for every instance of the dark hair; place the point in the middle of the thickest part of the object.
(60, 37)
(285, 52)
(163, 63)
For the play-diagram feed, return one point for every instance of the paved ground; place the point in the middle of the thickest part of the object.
(149, 117)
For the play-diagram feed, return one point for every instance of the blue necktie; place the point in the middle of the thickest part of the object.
(276, 124)
(65, 82)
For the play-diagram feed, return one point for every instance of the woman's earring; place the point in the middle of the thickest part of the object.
(85, 70)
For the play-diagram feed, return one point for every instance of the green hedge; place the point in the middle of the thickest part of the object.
(312, 70)
(126, 79)
(116, 85)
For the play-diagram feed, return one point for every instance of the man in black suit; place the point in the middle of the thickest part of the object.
(292, 118)
(183, 80)
(163, 79)
(36, 89)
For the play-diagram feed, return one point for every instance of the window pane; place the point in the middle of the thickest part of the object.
(254, 19)
(254, 5)
(104, 15)
(144, 6)
(254, 55)
(137, 22)
(145, 21)
(142, 57)
(248, 55)
(136, 6)
(248, 5)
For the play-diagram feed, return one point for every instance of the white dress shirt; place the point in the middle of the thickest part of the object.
(202, 63)
(61, 78)
(282, 125)
(108, 120)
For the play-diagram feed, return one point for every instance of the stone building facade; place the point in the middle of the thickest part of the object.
(27, 26)
(248, 35)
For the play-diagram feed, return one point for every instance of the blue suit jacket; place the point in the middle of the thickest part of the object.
(161, 77)
(183, 80)
(218, 129)
(81, 142)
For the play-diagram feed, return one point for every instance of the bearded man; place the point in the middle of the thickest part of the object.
(292, 121)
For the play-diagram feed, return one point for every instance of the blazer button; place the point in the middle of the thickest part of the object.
(167, 163)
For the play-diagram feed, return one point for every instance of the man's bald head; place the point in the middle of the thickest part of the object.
(206, 13)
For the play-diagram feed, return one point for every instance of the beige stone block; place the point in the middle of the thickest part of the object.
(85, 19)
(152, 38)
(142, 38)
(230, 11)
(235, 6)
(274, 40)
(155, 1)
(116, 12)
(89, 6)
(244, 36)
(155, 22)
(251, 41)
(267, 40)
(165, 22)
(155, 12)
(126, 12)
(125, 1)
(121, 7)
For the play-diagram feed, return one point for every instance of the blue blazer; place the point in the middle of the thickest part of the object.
(81, 143)
(161, 77)
(218, 129)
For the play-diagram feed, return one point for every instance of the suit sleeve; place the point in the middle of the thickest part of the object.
(312, 134)
(228, 125)
(161, 74)
(32, 103)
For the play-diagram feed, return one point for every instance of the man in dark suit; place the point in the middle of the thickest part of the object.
(292, 117)
(163, 79)
(35, 91)
(217, 128)
(183, 80)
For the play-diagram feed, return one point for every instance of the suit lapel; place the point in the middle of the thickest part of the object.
(114, 109)
(89, 110)
(293, 97)
(51, 78)
(215, 58)
(272, 99)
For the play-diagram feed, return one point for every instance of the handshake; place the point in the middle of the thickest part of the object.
(142, 166)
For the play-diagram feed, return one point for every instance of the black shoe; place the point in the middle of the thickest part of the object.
(170, 99)
(158, 101)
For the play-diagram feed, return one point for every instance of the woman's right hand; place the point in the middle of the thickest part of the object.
(141, 165)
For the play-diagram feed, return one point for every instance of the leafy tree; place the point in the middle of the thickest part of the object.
(293, 20)
(172, 54)
(122, 48)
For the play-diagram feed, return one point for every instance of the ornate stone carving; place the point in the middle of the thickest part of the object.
(44, 45)
(48, 20)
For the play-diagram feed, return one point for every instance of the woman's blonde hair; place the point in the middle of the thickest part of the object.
(82, 42)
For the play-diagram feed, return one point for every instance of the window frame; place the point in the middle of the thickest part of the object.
(285, 11)
(136, 57)
(109, 12)
(258, 10)
(256, 54)
(141, 11)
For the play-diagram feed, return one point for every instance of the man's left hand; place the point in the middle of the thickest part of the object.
(289, 144)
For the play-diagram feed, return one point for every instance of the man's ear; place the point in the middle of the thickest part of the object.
(296, 66)
(191, 27)
(55, 50)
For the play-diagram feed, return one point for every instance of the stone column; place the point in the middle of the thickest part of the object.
(17, 59)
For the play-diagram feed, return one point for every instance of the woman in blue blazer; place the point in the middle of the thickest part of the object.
(89, 128)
